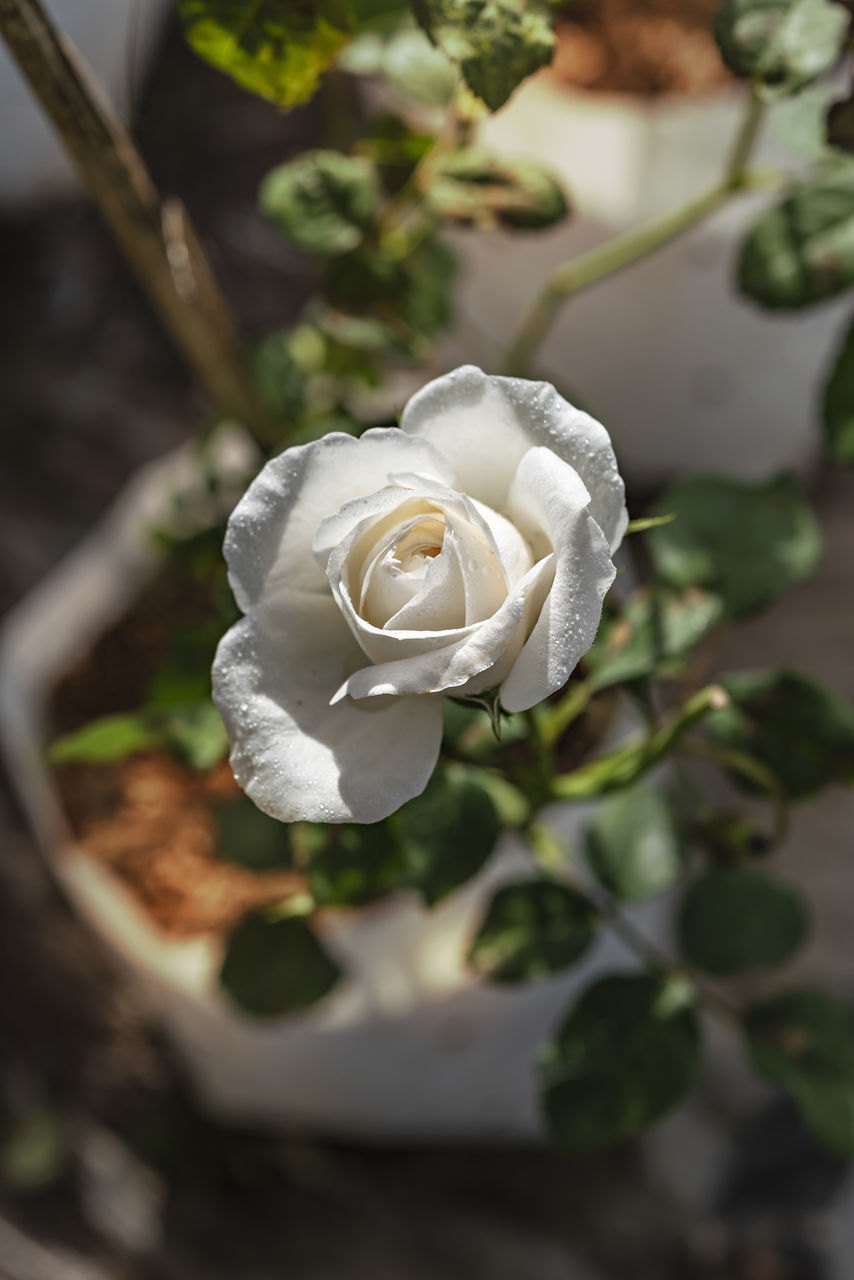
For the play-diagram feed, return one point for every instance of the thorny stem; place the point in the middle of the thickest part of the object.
(587, 269)
(157, 238)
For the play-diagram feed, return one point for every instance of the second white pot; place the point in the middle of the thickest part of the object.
(688, 376)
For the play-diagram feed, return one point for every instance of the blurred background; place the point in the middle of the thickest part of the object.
(108, 1169)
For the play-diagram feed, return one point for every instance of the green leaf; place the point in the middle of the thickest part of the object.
(734, 921)
(322, 201)
(802, 251)
(194, 731)
(496, 43)
(275, 48)
(280, 378)
(250, 838)
(532, 929)
(633, 844)
(838, 403)
(803, 1042)
(654, 633)
(352, 865)
(625, 765)
(411, 299)
(783, 44)
(418, 70)
(197, 734)
(799, 730)
(480, 188)
(625, 1055)
(744, 542)
(447, 833)
(273, 966)
(394, 148)
(106, 740)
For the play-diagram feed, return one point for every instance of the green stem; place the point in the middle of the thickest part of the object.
(587, 269)
(558, 718)
(624, 766)
(753, 771)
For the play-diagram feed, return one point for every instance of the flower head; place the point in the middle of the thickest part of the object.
(469, 549)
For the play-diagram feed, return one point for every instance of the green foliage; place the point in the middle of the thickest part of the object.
(394, 148)
(802, 251)
(36, 1152)
(744, 542)
(477, 187)
(838, 403)
(633, 844)
(803, 1042)
(495, 43)
(106, 740)
(280, 377)
(275, 966)
(418, 70)
(194, 732)
(447, 833)
(322, 201)
(433, 844)
(625, 1055)
(624, 765)
(250, 838)
(781, 44)
(798, 729)
(275, 48)
(737, 920)
(409, 297)
(653, 634)
(349, 866)
(531, 929)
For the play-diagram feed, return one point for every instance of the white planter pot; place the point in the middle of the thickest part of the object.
(686, 375)
(115, 38)
(409, 1045)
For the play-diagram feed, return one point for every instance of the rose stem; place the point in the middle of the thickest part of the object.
(157, 238)
(581, 272)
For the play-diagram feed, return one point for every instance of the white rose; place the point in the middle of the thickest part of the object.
(469, 549)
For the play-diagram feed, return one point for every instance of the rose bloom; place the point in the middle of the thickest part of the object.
(468, 549)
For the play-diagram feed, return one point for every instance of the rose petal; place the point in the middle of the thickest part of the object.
(294, 754)
(270, 537)
(485, 425)
(548, 497)
(351, 560)
(480, 657)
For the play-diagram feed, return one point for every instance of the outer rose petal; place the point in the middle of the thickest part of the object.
(485, 425)
(270, 536)
(547, 499)
(293, 753)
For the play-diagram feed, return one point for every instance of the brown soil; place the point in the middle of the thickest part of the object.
(151, 820)
(645, 47)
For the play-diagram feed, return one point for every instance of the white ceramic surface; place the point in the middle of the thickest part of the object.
(687, 375)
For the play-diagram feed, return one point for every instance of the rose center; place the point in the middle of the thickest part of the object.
(422, 542)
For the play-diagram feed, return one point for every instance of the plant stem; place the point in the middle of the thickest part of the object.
(587, 269)
(753, 771)
(627, 764)
(157, 239)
